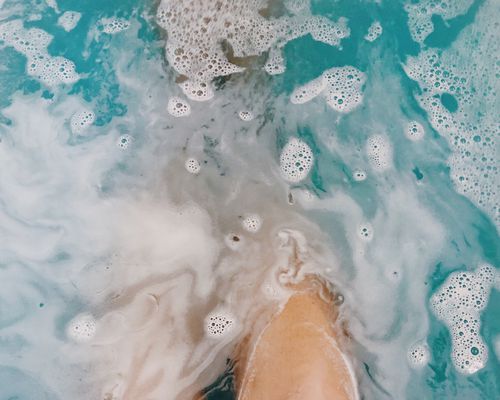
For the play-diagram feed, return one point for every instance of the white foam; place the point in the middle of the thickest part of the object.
(246, 115)
(365, 232)
(379, 151)
(197, 91)
(275, 63)
(219, 324)
(296, 160)
(195, 31)
(124, 141)
(359, 175)
(340, 86)
(192, 166)
(178, 107)
(69, 20)
(374, 31)
(33, 44)
(82, 328)
(414, 131)
(81, 121)
(252, 223)
(419, 355)
(458, 303)
(112, 26)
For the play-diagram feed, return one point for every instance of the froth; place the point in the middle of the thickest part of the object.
(82, 328)
(69, 20)
(177, 107)
(81, 121)
(458, 303)
(379, 151)
(418, 355)
(296, 160)
(374, 31)
(340, 86)
(219, 324)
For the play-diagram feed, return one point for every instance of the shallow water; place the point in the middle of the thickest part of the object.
(374, 147)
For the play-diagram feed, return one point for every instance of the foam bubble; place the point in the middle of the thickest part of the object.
(458, 303)
(82, 328)
(252, 223)
(246, 115)
(114, 25)
(69, 20)
(296, 160)
(124, 141)
(379, 151)
(197, 91)
(365, 232)
(275, 63)
(340, 86)
(359, 175)
(414, 131)
(219, 324)
(195, 31)
(193, 166)
(81, 120)
(178, 107)
(33, 44)
(418, 355)
(374, 31)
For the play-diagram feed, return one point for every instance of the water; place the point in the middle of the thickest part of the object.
(101, 218)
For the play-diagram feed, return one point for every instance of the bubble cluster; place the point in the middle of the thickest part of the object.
(296, 160)
(374, 31)
(340, 86)
(414, 131)
(379, 151)
(365, 232)
(219, 324)
(33, 44)
(252, 223)
(458, 303)
(82, 328)
(458, 93)
(81, 120)
(69, 20)
(124, 141)
(275, 63)
(418, 355)
(359, 175)
(420, 14)
(114, 25)
(178, 107)
(192, 166)
(246, 115)
(198, 91)
(205, 37)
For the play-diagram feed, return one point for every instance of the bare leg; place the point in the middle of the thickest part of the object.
(297, 357)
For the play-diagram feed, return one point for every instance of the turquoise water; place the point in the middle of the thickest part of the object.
(98, 219)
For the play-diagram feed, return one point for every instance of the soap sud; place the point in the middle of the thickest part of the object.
(178, 107)
(234, 241)
(415, 131)
(81, 120)
(365, 232)
(246, 115)
(124, 141)
(359, 175)
(418, 355)
(114, 25)
(471, 130)
(219, 324)
(192, 166)
(374, 31)
(275, 63)
(82, 328)
(420, 15)
(379, 151)
(33, 44)
(296, 160)
(252, 223)
(195, 31)
(340, 86)
(197, 91)
(69, 20)
(458, 303)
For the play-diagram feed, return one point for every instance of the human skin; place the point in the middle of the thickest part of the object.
(297, 355)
